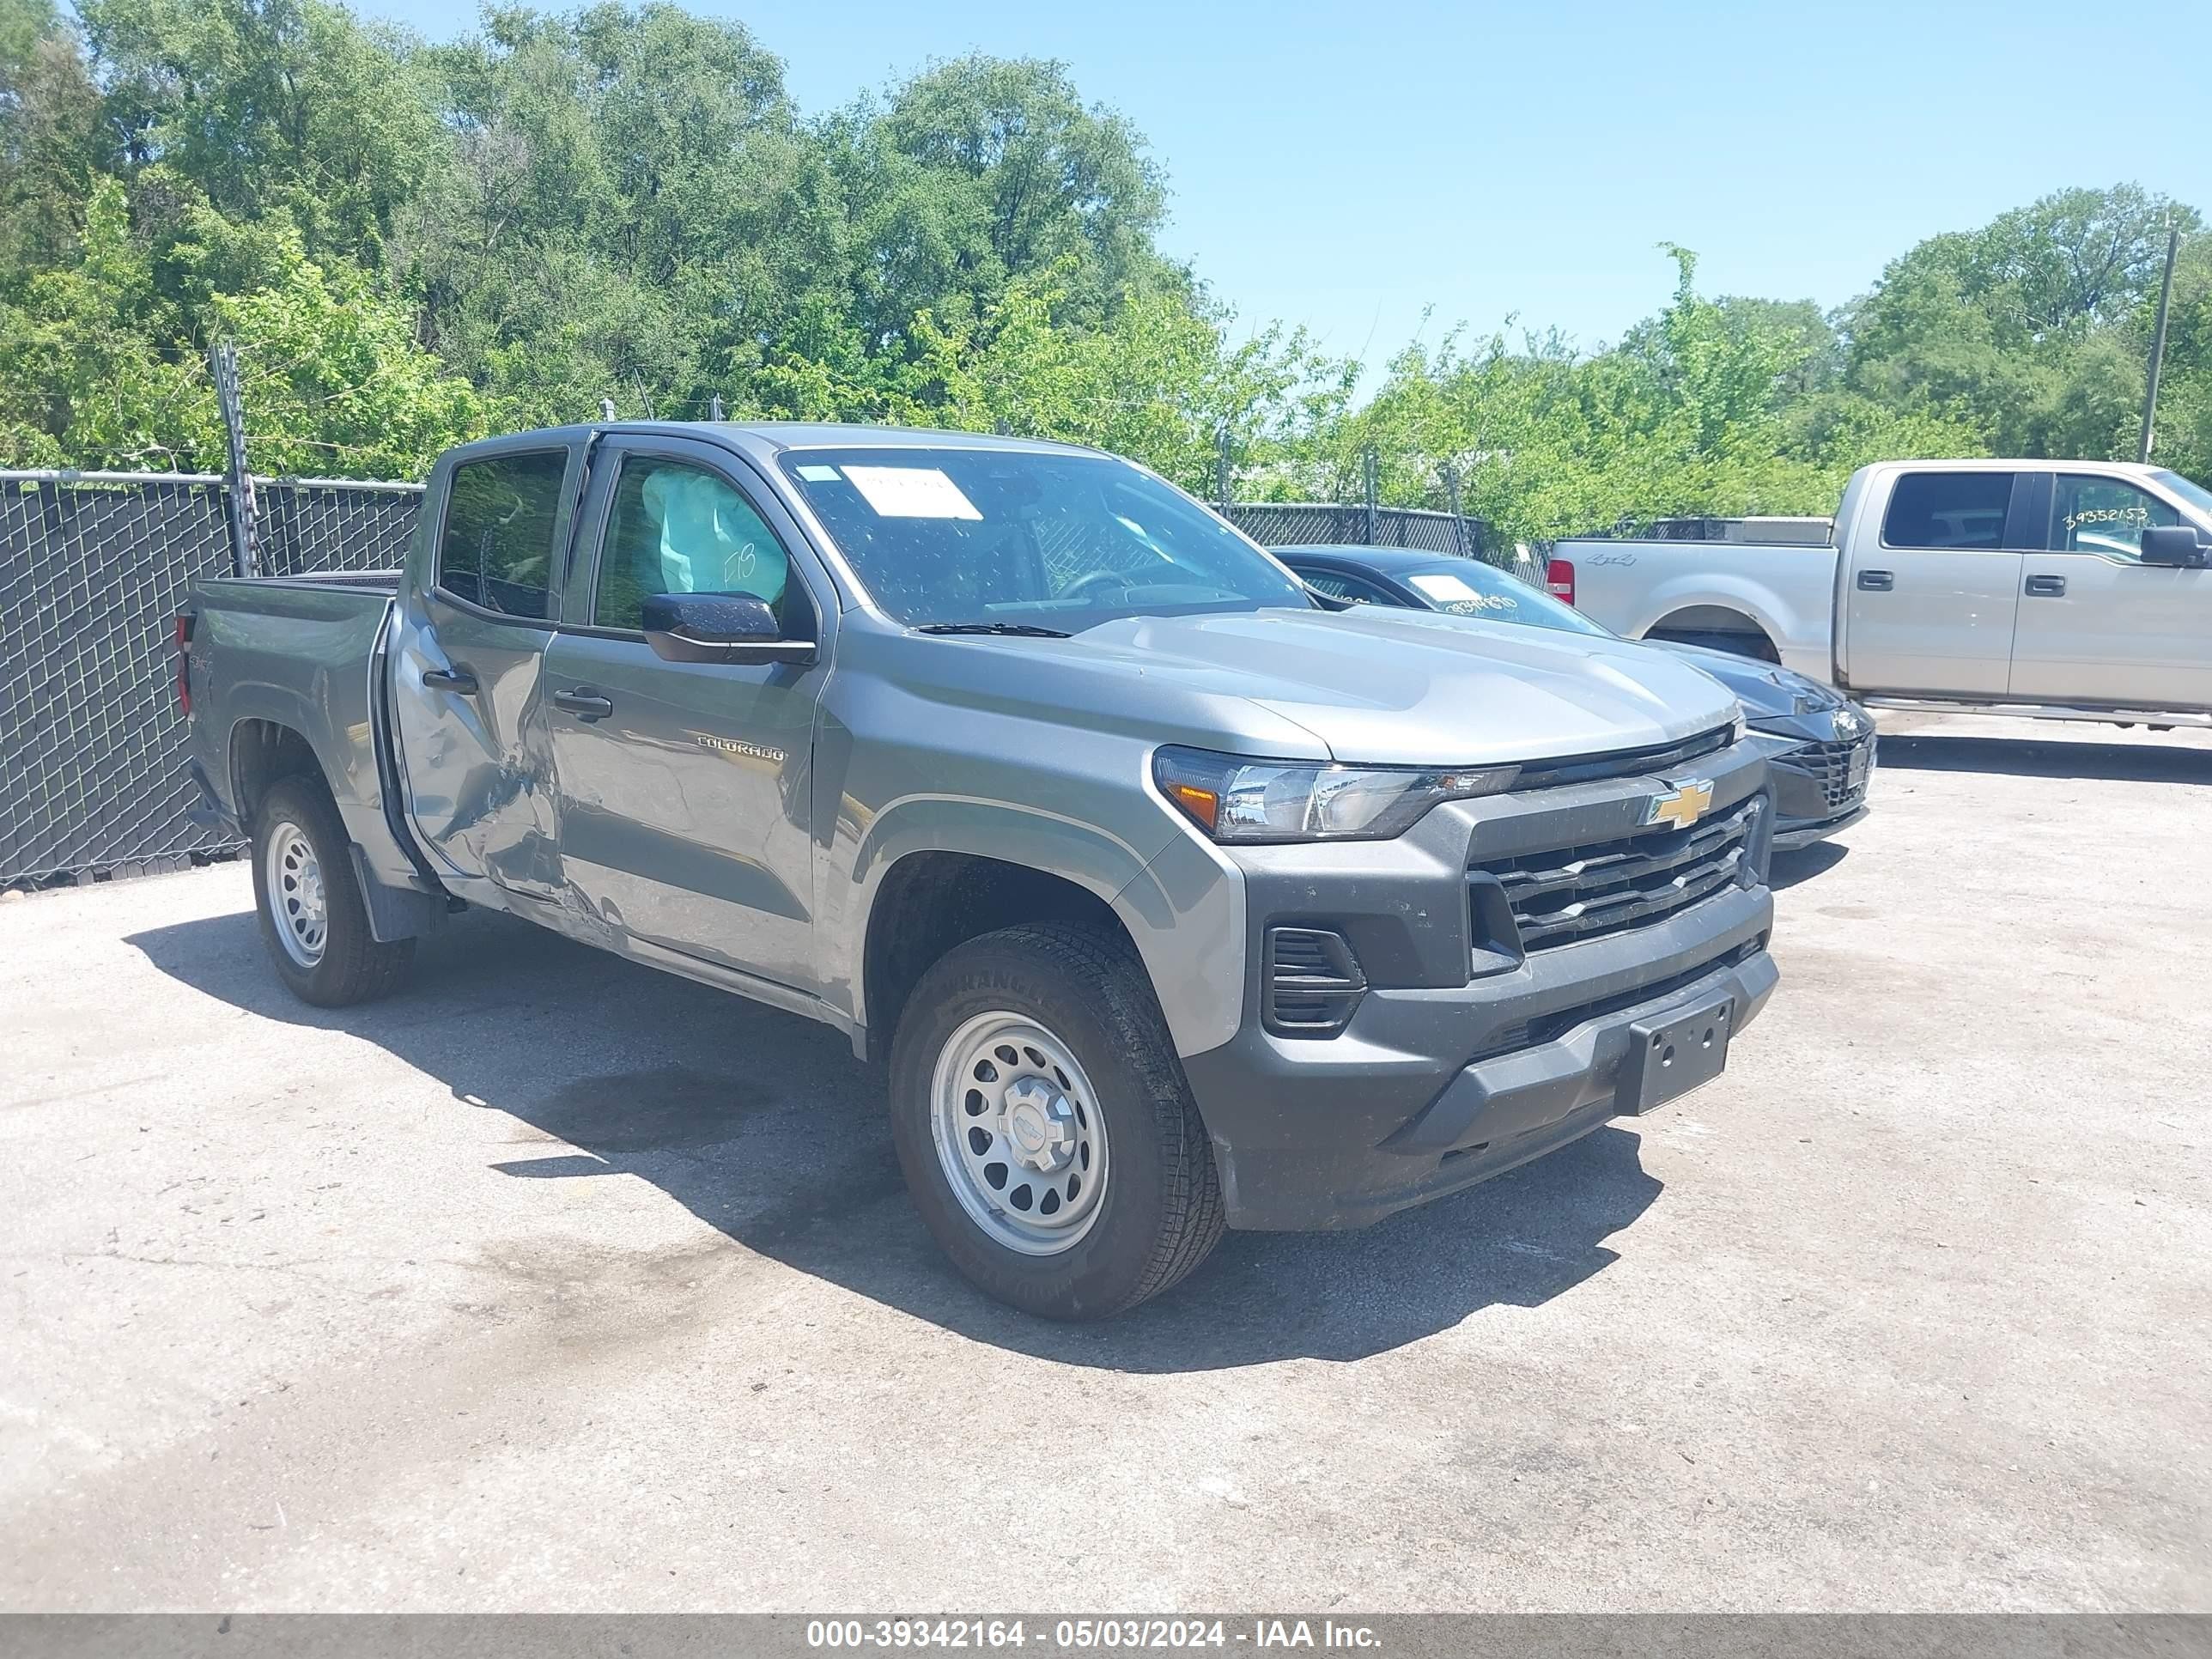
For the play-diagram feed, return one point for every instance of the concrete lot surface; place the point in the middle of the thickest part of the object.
(557, 1283)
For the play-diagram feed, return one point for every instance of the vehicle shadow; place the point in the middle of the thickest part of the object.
(763, 1126)
(2113, 762)
(1804, 863)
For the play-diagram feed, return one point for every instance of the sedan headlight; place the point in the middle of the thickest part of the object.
(1235, 799)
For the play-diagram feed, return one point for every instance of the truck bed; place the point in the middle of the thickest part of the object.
(1769, 599)
(304, 655)
(378, 581)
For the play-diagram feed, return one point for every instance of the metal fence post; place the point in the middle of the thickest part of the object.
(1221, 469)
(606, 408)
(1459, 518)
(714, 407)
(245, 532)
(1367, 465)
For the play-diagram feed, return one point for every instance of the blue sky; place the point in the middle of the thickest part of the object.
(1349, 167)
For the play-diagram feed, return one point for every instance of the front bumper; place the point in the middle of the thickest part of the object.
(1820, 788)
(1457, 1063)
(1793, 834)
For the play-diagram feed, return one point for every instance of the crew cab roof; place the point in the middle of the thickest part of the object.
(764, 439)
(2013, 463)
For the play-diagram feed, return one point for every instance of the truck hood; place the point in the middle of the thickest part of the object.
(1778, 701)
(1764, 689)
(1406, 687)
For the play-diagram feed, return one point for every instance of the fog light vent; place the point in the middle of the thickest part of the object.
(1313, 981)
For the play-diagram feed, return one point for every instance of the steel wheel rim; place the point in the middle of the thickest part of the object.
(1021, 1140)
(297, 903)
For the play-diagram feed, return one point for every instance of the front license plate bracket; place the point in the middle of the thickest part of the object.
(1670, 1056)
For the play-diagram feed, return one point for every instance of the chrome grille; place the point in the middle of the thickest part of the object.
(1575, 893)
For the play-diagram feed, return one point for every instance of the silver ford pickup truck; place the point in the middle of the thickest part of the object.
(2058, 590)
(1167, 900)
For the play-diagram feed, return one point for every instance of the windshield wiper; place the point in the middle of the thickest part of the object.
(1024, 630)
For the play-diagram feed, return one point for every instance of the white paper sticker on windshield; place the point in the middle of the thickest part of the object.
(911, 492)
(819, 474)
(1444, 586)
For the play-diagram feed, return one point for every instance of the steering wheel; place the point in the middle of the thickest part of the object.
(1084, 583)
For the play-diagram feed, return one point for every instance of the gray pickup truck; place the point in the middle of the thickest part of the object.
(1168, 898)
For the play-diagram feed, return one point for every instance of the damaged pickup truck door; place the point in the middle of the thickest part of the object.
(469, 638)
(682, 772)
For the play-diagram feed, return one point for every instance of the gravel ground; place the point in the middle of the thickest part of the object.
(557, 1283)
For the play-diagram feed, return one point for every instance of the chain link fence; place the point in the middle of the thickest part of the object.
(1316, 524)
(95, 567)
(320, 524)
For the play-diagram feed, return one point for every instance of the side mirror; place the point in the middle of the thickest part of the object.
(2173, 544)
(733, 628)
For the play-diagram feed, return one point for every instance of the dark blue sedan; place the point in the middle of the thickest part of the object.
(1820, 787)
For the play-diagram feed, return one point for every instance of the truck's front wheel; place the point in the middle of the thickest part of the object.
(1045, 1127)
(312, 918)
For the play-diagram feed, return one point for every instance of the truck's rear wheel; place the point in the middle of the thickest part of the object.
(1045, 1127)
(313, 919)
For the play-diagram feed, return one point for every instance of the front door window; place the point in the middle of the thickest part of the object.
(676, 528)
(2103, 515)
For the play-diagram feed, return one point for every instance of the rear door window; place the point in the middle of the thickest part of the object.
(497, 549)
(1945, 510)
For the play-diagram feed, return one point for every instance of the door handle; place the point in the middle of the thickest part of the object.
(2046, 587)
(1877, 581)
(586, 704)
(450, 679)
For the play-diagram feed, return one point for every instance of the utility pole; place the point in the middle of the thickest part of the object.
(1367, 465)
(714, 407)
(245, 532)
(1221, 471)
(1459, 519)
(2158, 339)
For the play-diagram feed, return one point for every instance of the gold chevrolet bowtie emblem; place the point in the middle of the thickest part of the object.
(1681, 807)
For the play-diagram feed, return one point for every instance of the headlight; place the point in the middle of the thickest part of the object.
(1235, 799)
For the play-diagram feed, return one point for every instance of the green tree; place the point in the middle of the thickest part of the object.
(107, 377)
(51, 143)
(88, 383)
(1159, 382)
(291, 107)
(334, 382)
(2020, 329)
(2182, 436)
(980, 171)
(632, 210)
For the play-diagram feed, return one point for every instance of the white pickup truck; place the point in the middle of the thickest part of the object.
(2070, 590)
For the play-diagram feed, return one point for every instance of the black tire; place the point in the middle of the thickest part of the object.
(1161, 1213)
(353, 966)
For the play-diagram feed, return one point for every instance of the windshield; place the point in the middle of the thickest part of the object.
(2194, 494)
(1466, 588)
(943, 537)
